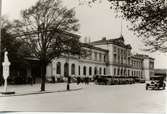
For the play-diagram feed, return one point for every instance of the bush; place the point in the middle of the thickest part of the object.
(53, 79)
(19, 80)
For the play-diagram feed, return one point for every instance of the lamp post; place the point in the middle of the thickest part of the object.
(68, 67)
(68, 76)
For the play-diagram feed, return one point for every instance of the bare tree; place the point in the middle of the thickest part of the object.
(45, 27)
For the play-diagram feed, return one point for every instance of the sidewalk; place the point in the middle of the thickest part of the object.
(28, 89)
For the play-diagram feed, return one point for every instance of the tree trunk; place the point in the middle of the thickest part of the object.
(43, 75)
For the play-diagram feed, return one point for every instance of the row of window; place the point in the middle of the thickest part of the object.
(121, 59)
(101, 71)
(99, 57)
(120, 51)
(136, 73)
(124, 72)
(124, 60)
(96, 56)
(151, 65)
(136, 63)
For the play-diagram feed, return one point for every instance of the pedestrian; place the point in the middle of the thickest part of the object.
(87, 80)
(78, 80)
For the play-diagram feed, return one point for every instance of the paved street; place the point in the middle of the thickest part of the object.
(87, 98)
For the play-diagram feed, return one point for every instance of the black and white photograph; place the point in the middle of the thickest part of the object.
(83, 56)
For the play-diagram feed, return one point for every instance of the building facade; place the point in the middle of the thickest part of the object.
(105, 57)
(161, 72)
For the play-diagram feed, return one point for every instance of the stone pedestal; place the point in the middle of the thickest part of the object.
(8, 92)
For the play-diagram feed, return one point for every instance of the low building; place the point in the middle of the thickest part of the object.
(104, 57)
(161, 72)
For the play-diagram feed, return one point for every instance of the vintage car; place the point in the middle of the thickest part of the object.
(156, 83)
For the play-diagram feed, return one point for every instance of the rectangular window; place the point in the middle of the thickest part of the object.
(115, 49)
(100, 57)
(115, 58)
(104, 58)
(90, 56)
(115, 71)
(95, 56)
(121, 52)
(79, 70)
(118, 59)
(121, 60)
(104, 71)
(118, 51)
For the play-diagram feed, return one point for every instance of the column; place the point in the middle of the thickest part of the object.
(62, 68)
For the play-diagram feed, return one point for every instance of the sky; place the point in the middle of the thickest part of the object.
(96, 22)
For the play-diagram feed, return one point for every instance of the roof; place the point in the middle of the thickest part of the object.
(69, 33)
(93, 47)
(143, 56)
(117, 41)
(137, 57)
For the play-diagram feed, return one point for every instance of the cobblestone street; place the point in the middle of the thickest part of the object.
(86, 98)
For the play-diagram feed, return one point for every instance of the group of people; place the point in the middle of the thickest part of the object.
(85, 80)
(113, 81)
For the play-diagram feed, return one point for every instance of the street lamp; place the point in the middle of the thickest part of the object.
(68, 76)
(68, 66)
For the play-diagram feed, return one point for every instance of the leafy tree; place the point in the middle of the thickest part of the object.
(16, 48)
(44, 27)
(149, 20)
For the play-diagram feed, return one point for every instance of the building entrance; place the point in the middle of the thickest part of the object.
(66, 69)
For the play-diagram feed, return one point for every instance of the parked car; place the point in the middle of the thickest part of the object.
(156, 83)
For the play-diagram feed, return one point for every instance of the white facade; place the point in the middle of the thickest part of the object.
(108, 58)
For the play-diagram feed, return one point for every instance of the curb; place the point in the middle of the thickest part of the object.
(38, 92)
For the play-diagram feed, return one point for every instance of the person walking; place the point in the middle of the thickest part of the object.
(78, 80)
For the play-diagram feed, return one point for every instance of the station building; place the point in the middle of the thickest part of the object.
(106, 57)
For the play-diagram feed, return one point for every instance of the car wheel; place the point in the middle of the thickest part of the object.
(146, 87)
(163, 87)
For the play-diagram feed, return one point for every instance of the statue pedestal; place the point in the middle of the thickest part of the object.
(8, 93)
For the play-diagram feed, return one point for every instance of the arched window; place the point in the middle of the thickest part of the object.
(121, 71)
(132, 72)
(100, 70)
(124, 71)
(84, 70)
(118, 71)
(104, 71)
(66, 69)
(90, 70)
(73, 69)
(79, 70)
(115, 70)
(95, 71)
(58, 68)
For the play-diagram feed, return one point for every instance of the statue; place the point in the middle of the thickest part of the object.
(6, 57)
(6, 65)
